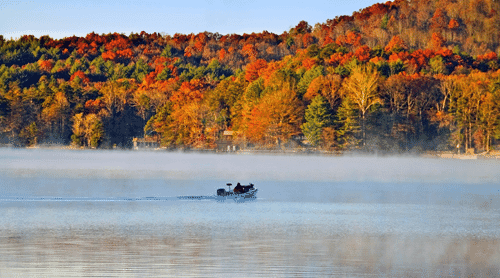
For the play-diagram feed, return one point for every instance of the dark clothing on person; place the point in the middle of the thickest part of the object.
(242, 188)
(239, 189)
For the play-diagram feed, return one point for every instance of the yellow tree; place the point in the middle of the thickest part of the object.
(187, 127)
(78, 129)
(328, 87)
(117, 99)
(116, 96)
(57, 112)
(278, 117)
(94, 130)
(180, 122)
(447, 86)
(489, 113)
(362, 88)
(465, 103)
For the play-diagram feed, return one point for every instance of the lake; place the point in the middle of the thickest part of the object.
(87, 213)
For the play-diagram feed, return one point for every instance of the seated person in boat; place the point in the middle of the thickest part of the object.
(238, 189)
(242, 188)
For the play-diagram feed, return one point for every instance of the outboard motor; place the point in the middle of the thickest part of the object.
(221, 192)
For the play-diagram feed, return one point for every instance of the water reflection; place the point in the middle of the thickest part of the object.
(200, 251)
(200, 238)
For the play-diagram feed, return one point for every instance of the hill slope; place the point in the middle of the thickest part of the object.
(400, 76)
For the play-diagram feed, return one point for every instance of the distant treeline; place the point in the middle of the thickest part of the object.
(401, 76)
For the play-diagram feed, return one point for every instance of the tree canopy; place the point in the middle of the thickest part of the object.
(395, 76)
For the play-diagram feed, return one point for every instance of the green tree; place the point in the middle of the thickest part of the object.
(78, 129)
(32, 133)
(164, 74)
(313, 50)
(167, 51)
(98, 65)
(327, 51)
(437, 65)
(385, 20)
(94, 130)
(223, 102)
(160, 124)
(254, 90)
(348, 123)
(317, 117)
(307, 78)
(141, 70)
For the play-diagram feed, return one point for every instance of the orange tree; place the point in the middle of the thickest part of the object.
(276, 118)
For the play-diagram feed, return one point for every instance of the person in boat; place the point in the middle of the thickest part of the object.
(239, 189)
(242, 188)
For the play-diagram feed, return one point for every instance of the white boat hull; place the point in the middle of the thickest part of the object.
(246, 195)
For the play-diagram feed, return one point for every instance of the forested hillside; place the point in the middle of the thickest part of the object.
(401, 76)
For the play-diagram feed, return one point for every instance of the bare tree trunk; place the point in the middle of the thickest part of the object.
(62, 128)
(488, 141)
(470, 134)
(466, 145)
(407, 128)
(363, 129)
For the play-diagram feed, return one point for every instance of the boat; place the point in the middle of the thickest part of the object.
(239, 191)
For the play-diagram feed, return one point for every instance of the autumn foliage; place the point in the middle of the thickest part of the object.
(253, 69)
(81, 75)
(396, 45)
(396, 76)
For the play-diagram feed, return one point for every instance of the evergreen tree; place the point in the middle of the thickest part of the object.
(307, 78)
(348, 123)
(140, 71)
(167, 51)
(317, 117)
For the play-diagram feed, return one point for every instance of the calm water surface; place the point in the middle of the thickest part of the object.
(116, 214)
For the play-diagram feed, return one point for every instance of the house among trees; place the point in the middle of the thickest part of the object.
(148, 142)
(226, 143)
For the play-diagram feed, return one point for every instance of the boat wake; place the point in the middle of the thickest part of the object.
(241, 193)
(236, 198)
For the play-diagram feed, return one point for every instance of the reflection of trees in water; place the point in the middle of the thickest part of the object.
(268, 251)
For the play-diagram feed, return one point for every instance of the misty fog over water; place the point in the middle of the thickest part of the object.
(187, 166)
(84, 212)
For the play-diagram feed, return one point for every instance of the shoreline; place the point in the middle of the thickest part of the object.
(494, 154)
